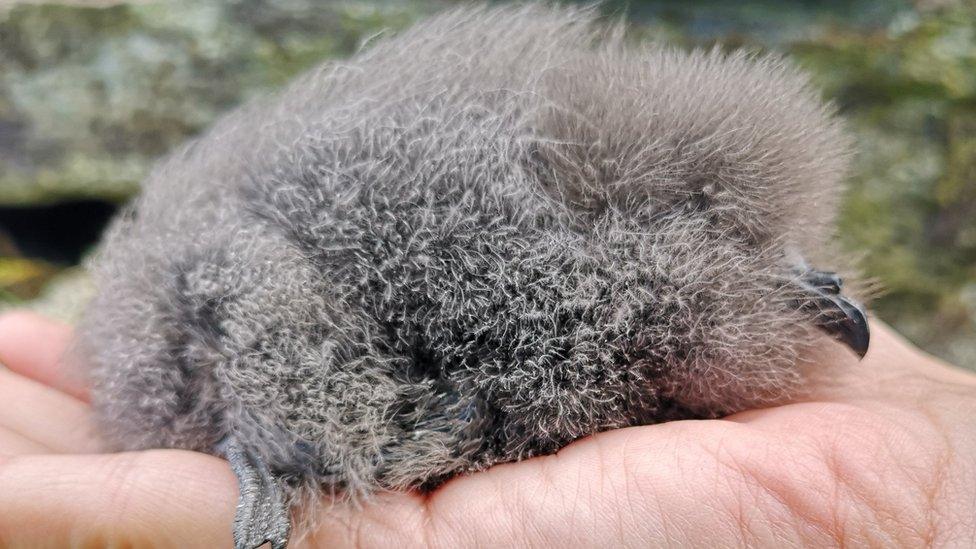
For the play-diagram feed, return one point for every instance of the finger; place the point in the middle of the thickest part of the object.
(583, 496)
(49, 417)
(388, 520)
(893, 348)
(642, 486)
(163, 498)
(891, 366)
(34, 346)
(14, 444)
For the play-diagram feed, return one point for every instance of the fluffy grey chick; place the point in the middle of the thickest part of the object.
(473, 243)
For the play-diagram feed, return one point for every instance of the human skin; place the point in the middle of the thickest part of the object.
(880, 452)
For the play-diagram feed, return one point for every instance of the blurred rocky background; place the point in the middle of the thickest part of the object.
(91, 92)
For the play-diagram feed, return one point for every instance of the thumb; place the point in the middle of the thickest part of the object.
(891, 365)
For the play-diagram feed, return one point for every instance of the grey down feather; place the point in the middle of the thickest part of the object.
(474, 242)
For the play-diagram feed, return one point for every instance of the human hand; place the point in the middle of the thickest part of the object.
(881, 452)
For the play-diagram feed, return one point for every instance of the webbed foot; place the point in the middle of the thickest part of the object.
(262, 515)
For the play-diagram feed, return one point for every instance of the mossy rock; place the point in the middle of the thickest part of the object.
(91, 96)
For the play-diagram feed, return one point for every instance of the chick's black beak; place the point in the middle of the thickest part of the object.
(837, 315)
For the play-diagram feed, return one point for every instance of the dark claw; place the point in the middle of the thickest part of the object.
(841, 317)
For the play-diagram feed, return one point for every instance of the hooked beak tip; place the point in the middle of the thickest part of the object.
(839, 316)
(853, 330)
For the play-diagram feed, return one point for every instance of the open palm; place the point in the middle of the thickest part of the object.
(881, 452)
